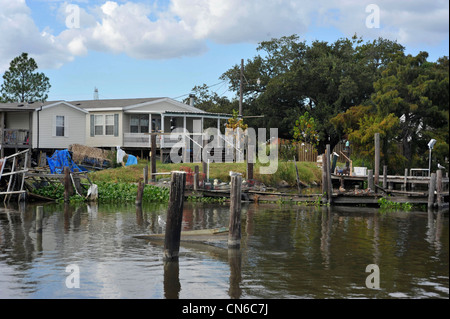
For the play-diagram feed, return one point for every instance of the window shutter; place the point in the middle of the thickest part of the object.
(92, 125)
(116, 124)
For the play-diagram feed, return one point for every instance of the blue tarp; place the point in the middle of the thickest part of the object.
(132, 160)
(61, 159)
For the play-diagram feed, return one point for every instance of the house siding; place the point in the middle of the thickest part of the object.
(104, 140)
(74, 124)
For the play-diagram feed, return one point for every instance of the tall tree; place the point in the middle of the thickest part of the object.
(410, 88)
(321, 78)
(22, 84)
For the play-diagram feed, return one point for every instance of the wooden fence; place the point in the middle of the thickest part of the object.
(304, 152)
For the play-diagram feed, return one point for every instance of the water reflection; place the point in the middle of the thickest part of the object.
(172, 285)
(286, 251)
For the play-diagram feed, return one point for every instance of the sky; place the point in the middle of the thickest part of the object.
(163, 48)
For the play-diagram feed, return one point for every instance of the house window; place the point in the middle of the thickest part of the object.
(99, 122)
(105, 124)
(139, 123)
(59, 125)
(109, 124)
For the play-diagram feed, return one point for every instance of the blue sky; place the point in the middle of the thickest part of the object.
(160, 48)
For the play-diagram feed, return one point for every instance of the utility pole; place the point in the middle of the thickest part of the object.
(240, 87)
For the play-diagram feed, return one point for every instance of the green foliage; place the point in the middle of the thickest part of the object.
(235, 122)
(201, 199)
(322, 78)
(126, 192)
(305, 130)
(109, 193)
(387, 205)
(412, 89)
(22, 84)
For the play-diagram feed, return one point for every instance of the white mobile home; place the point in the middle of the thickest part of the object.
(98, 123)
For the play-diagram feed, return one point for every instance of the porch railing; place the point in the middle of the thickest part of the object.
(15, 138)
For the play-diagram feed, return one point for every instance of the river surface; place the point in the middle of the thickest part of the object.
(287, 251)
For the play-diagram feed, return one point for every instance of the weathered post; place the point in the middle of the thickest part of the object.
(370, 182)
(174, 216)
(140, 193)
(153, 157)
(324, 178)
(298, 177)
(431, 188)
(39, 216)
(439, 188)
(68, 188)
(405, 181)
(384, 176)
(329, 183)
(250, 159)
(377, 160)
(145, 174)
(196, 173)
(172, 284)
(234, 232)
(204, 164)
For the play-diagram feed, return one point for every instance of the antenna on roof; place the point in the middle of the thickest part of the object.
(95, 94)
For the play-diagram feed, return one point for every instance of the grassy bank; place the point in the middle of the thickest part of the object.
(309, 172)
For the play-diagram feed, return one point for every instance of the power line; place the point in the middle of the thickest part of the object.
(210, 86)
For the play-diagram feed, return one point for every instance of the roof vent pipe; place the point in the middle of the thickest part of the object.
(191, 99)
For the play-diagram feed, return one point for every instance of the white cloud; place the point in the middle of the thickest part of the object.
(184, 27)
(234, 21)
(410, 22)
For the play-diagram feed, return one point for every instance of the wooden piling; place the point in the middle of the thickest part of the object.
(174, 216)
(298, 177)
(204, 164)
(431, 189)
(145, 174)
(250, 159)
(329, 184)
(234, 234)
(68, 188)
(153, 157)
(377, 160)
(140, 193)
(324, 178)
(405, 181)
(39, 216)
(370, 180)
(439, 188)
(196, 176)
(384, 176)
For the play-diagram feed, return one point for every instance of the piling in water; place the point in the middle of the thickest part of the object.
(140, 193)
(39, 216)
(234, 234)
(431, 189)
(439, 188)
(174, 216)
(153, 157)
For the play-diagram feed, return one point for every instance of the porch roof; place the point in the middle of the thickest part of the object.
(198, 114)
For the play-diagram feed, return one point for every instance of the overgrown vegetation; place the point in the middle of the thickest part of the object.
(309, 173)
(387, 205)
(109, 192)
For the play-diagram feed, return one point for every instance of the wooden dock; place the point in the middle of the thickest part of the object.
(352, 190)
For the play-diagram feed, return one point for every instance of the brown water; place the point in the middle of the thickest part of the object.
(287, 251)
